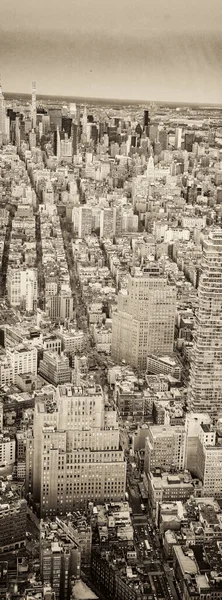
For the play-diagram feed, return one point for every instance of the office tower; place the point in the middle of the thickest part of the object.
(117, 220)
(45, 124)
(138, 130)
(208, 461)
(66, 149)
(7, 129)
(144, 321)
(84, 221)
(54, 368)
(84, 121)
(40, 130)
(165, 447)
(153, 132)
(189, 140)
(77, 456)
(163, 139)
(32, 139)
(128, 144)
(106, 223)
(55, 116)
(146, 119)
(2, 112)
(205, 392)
(178, 138)
(150, 170)
(33, 108)
(192, 428)
(57, 142)
(17, 131)
(72, 110)
(22, 288)
(129, 221)
(60, 306)
(67, 125)
(94, 133)
(75, 135)
(112, 133)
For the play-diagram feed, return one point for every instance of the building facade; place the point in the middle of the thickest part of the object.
(77, 456)
(144, 321)
(206, 382)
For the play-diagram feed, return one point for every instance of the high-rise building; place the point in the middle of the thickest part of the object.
(153, 132)
(150, 170)
(67, 125)
(72, 110)
(178, 138)
(85, 221)
(75, 134)
(22, 288)
(163, 138)
(192, 428)
(66, 149)
(106, 223)
(57, 143)
(146, 119)
(209, 461)
(58, 559)
(165, 448)
(84, 121)
(205, 392)
(33, 108)
(189, 140)
(117, 220)
(55, 115)
(2, 112)
(77, 456)
(60, 306)
(144, 321)
(32, 139)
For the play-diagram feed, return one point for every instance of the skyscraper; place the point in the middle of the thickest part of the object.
(85, 221)
(178, 138)
(144, 321)
(150, 170)
(84, 121)
(33, 110)
(2, 111)
(146, 119)
(77, 456)
(206, 372)
(106, 223)
(22, 287)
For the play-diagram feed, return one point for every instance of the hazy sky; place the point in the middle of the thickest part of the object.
(136, 49)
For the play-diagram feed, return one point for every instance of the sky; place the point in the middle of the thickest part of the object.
(166, 50)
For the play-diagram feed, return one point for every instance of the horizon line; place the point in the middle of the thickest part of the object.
(116, 100)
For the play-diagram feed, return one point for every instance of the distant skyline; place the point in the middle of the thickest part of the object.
(165, 51)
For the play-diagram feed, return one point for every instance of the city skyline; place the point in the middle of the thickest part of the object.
(135, 52)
